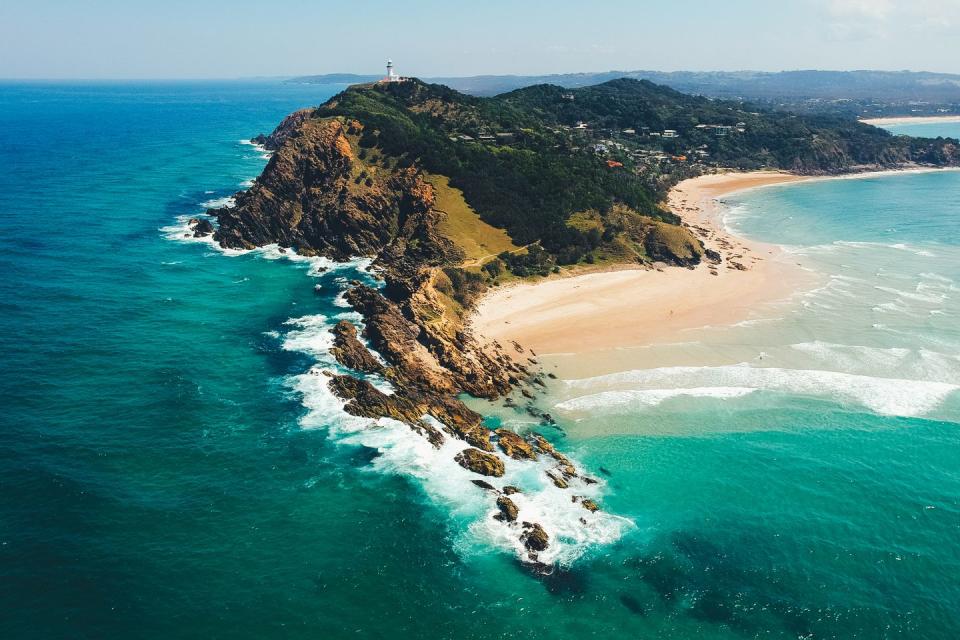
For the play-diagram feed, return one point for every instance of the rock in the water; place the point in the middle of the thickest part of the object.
(201, 227)
(509, 490)
(483, 484)
(534, 538)
(589, 505)
(557, 480)
(508, 510)
(563, 463)
(515, 446)
(486, 464)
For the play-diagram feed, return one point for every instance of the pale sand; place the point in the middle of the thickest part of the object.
(633, 307)
(880, 122)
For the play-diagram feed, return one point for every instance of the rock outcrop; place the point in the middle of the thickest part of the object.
(201, 227)
(508, 510)
(486, 464)
(350, 352)
(515, 446)
(534, 538)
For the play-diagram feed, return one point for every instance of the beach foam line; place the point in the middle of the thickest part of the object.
(635, 398)
(839, 245)
(886, 396)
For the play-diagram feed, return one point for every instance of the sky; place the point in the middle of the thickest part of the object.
(125, 39)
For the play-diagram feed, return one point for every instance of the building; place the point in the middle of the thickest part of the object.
(669, 133)
(391, 73)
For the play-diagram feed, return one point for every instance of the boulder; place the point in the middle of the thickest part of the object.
(534, 538)
(486, 464)
(201, 227)
(508, 510)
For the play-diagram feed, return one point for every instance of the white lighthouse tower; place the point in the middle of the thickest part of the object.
(391, 74)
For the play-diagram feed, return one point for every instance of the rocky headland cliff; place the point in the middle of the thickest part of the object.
(311, 199)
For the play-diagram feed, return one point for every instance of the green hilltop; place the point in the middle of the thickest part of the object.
(528, 160)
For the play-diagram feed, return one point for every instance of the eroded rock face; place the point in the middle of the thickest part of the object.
(308, 198)
(287, 127)
(564, 466)
(486, 486)
(486, 464)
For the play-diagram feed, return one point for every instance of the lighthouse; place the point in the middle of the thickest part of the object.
(391, 74)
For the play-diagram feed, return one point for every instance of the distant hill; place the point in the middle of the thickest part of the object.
(861, 92)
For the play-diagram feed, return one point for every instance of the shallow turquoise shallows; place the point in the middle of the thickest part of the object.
(168, 470)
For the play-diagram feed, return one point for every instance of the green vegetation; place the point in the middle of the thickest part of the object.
(576, 175)
(478, 240)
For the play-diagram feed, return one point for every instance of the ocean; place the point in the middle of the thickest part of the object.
(170, 465)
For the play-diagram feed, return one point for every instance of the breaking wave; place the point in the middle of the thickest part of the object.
(887, 396)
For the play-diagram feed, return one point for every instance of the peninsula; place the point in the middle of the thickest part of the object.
(454, 196)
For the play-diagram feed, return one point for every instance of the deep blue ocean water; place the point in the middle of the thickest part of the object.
(160, 475)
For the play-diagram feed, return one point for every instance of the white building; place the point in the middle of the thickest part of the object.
(391, 74)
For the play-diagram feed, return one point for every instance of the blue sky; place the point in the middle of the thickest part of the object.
(241, 38)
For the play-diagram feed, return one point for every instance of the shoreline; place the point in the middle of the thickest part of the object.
(895, 120)
(631, 306)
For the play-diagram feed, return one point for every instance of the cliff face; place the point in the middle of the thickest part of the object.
(311, 197)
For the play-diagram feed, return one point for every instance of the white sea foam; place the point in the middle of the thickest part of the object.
(246, 184)
(264, 152)
(180, 231)
(219, 203)
(917, 364)
(887, 396)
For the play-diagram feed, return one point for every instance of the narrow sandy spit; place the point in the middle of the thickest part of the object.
(633, 307)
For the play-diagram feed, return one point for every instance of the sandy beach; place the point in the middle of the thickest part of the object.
(881, 122)
(634, 306)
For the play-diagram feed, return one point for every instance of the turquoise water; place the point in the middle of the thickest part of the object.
(169, 468)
